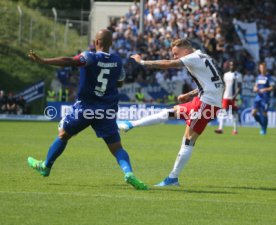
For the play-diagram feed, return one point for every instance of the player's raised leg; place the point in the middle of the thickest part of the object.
(157, 118)
(114, 144)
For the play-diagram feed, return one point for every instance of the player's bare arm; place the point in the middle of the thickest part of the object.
(158, 64)
(255, 88)
(58, 61)
(266, 89)
(186, 97)
(238, 90)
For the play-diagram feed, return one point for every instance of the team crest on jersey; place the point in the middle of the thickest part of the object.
(195, 114)
(82, 59)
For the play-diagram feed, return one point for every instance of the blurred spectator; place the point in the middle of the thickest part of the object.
(63, 75)
(64, 84)
(270, 63)
(139, 96)
(51, 95)
(21, 105)
(63, 95)
(206, 22)
(3, 101)
(11, 106)
(159, 77)
(171, 99)
(248, 76)
(55, 85)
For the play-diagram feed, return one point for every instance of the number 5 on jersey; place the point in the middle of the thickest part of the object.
(101, 79)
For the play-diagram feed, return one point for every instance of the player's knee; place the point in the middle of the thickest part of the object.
(191, 136)
(189, 142)
(63, 135)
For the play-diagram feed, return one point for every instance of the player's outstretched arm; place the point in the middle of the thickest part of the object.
(59, 61)
(158, 64)
(268, 89)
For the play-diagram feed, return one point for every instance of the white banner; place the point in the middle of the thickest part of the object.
(247, 33)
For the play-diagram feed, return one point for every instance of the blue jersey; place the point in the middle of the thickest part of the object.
(264, 82)
(99, 74)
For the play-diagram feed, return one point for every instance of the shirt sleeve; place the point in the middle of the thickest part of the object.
(122, 75)
(189, 60)
(239, 78)
(85, 58)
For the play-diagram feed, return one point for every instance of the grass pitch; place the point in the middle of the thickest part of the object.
(229, 180)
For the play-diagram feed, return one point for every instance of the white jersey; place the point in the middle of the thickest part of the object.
(231, 80)
(206, 77)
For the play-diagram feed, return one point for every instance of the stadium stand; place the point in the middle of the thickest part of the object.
(207, 23)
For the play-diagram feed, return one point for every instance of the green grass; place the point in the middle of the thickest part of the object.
(229, 180)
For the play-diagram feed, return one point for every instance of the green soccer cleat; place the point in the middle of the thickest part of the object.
(39, 166)
(135, 182)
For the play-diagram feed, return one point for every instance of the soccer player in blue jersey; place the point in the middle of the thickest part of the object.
(96, 106)
(263, 87)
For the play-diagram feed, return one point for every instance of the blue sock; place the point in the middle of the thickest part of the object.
(265, 121)
(123, 160)
(55, 151)
(258, 119)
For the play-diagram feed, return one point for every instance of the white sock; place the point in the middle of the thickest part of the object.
(235, 119)
(160, 117)
(221, 121)
(182, 159)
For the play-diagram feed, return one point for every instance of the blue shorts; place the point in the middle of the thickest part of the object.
(102, 120)
(261, 105)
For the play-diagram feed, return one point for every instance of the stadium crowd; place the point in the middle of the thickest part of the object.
(64, 85)
(11, 104)
(208, 23)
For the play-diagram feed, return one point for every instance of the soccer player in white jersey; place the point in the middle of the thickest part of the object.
(198, 112)
(233, 83)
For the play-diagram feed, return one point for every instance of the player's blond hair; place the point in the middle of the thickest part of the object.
(184, 43)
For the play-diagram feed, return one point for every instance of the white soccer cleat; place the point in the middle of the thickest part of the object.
(125, 126)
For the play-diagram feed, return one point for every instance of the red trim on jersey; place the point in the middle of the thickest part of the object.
(197, 114)
(226, 103)
(80, 59)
